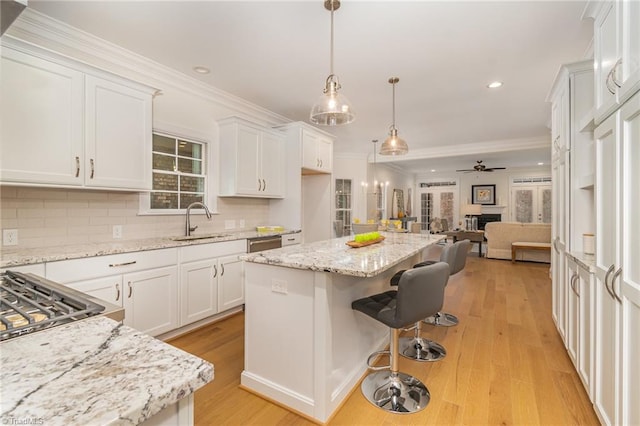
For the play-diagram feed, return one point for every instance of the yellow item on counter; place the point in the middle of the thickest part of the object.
(370, 222)
(356, 220)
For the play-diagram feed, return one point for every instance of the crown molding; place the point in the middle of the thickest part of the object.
(41, 30)
(468, 149)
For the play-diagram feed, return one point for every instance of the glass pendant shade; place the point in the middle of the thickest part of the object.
(332, 108)
(394, 145)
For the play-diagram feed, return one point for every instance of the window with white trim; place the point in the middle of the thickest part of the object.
(179, 173)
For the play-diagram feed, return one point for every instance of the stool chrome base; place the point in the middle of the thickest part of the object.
(420, 349)
(395, 392)
(442, 319)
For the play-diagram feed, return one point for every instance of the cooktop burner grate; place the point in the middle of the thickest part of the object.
(29, 303)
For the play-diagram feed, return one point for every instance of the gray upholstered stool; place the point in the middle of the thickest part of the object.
(417, 347)
(420, 294)
(457, 261)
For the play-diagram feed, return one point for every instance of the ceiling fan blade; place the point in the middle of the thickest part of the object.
(466, 170)
(494, 168)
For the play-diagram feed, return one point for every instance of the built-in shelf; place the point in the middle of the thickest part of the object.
(586, 123)
(585, 181)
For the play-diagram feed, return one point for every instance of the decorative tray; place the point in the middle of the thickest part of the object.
(354, 244)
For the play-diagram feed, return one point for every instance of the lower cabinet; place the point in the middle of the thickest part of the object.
(211, 279)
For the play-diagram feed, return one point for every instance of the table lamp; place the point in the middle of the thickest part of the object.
(471, 213)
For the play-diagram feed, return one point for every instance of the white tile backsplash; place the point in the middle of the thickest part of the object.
(48, 217)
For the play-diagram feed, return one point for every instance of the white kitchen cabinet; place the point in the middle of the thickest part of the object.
(252, 160)
(67, 124)
(616, 54)
(150, 301)
(117, 136)
(210, 279)
(573, 310)
(230, 283)
(291, 239)
(317, 152)
(144, 283)
(618, 277)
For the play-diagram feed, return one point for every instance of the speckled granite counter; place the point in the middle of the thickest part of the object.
(95, 371)
(335, 256)
(27, 256)
(586, 261)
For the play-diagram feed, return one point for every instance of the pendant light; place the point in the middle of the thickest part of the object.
(394, 145)
(332, 108)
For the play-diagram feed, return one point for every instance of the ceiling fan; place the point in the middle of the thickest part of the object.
(481, 168)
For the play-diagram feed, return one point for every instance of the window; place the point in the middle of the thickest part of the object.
(179, 173)
(343, 204)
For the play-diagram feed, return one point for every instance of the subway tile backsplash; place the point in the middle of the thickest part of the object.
(48, 217)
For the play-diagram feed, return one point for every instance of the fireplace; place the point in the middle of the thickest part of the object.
(486, 218)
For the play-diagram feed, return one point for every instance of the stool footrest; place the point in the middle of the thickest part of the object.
(381, 367)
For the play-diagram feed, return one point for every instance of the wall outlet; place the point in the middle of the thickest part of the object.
(241, 223)
(117, 231)
(279, 286)
(9, 237)
(230, 224)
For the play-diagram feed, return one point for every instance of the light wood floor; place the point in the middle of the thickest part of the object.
(506, 363)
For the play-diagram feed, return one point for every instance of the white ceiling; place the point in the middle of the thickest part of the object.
(276, 54)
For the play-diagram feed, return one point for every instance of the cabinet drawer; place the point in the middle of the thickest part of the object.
(208, 251)
(68, 271)
(291, 239)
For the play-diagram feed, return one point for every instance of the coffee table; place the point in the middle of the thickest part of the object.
(473, 236)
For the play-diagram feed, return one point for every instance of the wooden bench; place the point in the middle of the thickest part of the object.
(522, 245)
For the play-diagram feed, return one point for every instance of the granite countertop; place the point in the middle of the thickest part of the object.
(27, 256)
(586, 261)
(95, 371)
(336, 257)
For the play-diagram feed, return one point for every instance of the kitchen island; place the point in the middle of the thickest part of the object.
(305, 348)
(97, 372)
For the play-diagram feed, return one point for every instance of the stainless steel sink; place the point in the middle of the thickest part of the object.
(198, 237)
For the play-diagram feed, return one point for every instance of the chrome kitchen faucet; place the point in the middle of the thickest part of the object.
(188, 228)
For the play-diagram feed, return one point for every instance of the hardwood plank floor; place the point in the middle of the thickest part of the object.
(506, 363)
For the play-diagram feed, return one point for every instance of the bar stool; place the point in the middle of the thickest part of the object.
(417, 347)
(457, 262)
(420, 294)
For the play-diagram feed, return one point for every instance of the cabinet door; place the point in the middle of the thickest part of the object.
(325, 154)
(586, 329)
(628, 71)
(151, 302)
(628, 281)
(310, 158)
(248, 158)
(573, 311)
(230, 283)
(272, 165)
(198, 290)
(108, 289)
(42, 121)
(605, 57)
(607, 259)
(117, 136)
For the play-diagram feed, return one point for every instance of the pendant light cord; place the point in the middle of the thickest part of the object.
(393, 108)
(331, 47)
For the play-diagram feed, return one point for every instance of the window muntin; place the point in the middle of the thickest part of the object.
(179, 177)
(343, 204)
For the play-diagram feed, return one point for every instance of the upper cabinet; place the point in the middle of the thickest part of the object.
(616, 54)
(317, 152)
(252, 160)
(68, 125)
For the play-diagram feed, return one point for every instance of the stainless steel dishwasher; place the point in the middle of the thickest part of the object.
(263, 243)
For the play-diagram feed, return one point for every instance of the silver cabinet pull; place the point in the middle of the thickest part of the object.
(215, 271)
(614, 73)
(117, 292)
(222, 267)
(574, 278)
(92, 168)
(613, 288)
(606, 281)
(130, 289)
(264, 185)
(259, 185)
(607, 83)
(112, 265)
(77, 166)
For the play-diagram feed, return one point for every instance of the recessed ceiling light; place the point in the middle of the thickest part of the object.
(540, 164)
(433, 170)
(202, 70)
(494, 84)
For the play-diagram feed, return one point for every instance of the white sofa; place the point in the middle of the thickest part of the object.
(500, 235)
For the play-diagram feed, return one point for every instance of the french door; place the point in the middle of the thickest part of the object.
(531, 203)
